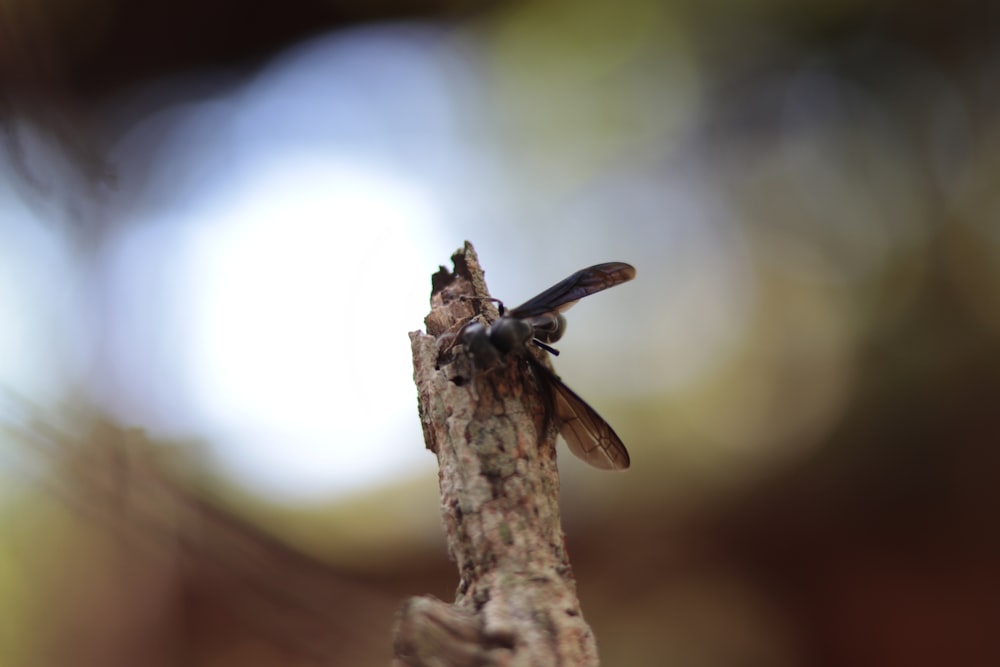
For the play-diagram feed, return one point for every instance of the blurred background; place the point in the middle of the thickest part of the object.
(218, 222)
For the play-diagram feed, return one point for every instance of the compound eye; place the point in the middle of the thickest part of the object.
(549, 327)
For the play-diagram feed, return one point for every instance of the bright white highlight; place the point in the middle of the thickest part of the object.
(301, 291)
(39, 301)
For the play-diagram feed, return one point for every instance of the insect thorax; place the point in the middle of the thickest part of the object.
(509, 334)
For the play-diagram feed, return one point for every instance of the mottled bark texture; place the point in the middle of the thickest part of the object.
(490, 428)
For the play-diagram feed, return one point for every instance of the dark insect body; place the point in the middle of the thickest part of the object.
(540, 321)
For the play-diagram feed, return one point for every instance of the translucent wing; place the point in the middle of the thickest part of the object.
(587, 435)
(566, 292)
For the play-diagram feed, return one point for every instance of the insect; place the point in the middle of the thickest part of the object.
(539, 320)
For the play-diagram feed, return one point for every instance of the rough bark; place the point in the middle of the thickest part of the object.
(491, 431)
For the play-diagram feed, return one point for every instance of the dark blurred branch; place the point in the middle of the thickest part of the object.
(180, 573)
(516, 601)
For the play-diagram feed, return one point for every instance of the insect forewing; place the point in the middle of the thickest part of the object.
(587, 435)
(583, 283)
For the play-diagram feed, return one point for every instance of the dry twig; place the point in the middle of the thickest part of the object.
(495, 442)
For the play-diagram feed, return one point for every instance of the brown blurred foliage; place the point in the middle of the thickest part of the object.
(86, 49)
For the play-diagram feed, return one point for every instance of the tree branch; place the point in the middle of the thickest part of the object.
(495, 442)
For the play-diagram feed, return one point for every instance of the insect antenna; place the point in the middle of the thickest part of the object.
(545, 346)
